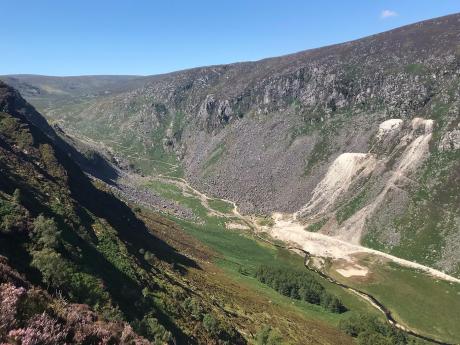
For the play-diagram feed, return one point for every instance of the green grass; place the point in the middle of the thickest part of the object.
(168, 190)
(402, 290)
(172, 192)
(315, 227)
(350, 208)
(415, 68)
(237, 248)
(309, 310)
(214, 157)
(146, 151)
(220, 205)
(429, 306)
(240, 251)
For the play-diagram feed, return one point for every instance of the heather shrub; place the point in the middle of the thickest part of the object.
(9, 300)
(40, 330)
(35, 301)
(8, 275)
(128, 337)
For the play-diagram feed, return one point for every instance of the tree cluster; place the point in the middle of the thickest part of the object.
(299, 285)
(370, 330)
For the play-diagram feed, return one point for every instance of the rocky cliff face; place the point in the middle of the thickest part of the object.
(270, 134)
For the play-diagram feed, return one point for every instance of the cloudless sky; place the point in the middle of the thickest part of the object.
(75, 37)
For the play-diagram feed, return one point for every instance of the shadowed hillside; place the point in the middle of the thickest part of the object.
(80, 243)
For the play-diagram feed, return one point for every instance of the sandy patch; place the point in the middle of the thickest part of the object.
(345, 169)
(236, 226)
(389, 127)
(349, 167)
(286, 228)
(353, 270)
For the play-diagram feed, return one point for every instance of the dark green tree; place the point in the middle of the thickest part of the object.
(46, 232)
(53, 267)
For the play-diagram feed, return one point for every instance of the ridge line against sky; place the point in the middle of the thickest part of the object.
(142, 37)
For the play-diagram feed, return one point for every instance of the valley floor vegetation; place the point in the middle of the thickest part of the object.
(299, 285)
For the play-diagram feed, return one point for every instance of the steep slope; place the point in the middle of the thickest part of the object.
(85, 246)
(269, 134)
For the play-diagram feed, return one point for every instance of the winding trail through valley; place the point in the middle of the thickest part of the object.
(318, 245)
(289, 230)
(309, 244)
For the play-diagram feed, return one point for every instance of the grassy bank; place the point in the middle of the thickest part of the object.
(425, 304)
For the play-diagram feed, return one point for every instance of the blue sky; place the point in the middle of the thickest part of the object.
(148, 37)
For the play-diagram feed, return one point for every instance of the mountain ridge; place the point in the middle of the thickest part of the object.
(400, 28)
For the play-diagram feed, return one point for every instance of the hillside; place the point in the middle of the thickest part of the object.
(271, 134)
(78, 265)
(83, 245)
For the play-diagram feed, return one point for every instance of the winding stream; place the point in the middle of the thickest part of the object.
(307, 255)
(364, 295)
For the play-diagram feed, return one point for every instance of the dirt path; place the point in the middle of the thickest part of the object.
(186, 187)
(287, 229)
